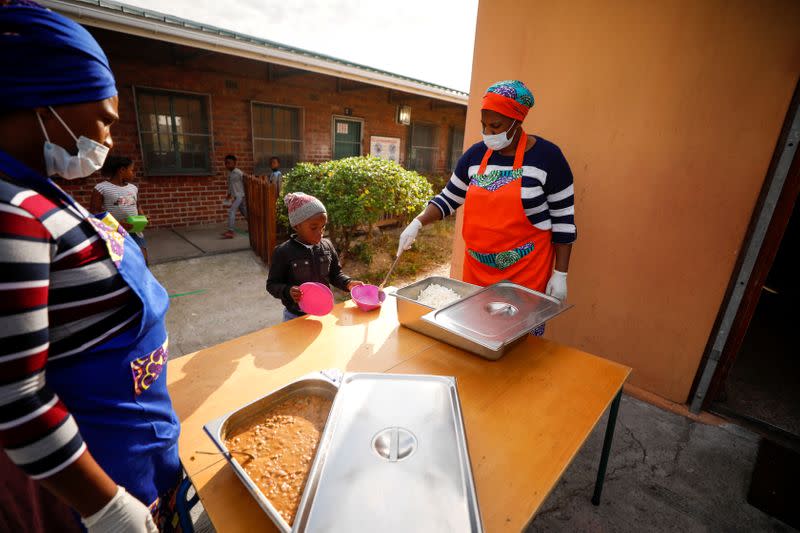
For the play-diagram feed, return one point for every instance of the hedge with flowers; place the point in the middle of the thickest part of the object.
(357, 192)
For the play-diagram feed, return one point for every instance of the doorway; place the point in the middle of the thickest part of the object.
(346, 137)
(755, 376)
(763, 384)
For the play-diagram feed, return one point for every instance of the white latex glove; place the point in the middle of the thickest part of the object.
(557, 286)
(408, 236)
(123, 514)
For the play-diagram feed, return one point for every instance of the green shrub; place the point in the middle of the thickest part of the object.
(438, 182)
(357, 192)
(363, 252)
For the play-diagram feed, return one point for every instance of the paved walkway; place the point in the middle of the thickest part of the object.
(173, 244)
(666, 473)
(215, 298)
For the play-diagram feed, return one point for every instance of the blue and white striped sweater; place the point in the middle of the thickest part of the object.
(547, 191)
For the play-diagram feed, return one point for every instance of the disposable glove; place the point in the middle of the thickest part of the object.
(557, 286)
(408, 236)
(123, 514)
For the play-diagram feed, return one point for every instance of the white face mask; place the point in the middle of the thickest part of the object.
(90, 158)
(498, 141)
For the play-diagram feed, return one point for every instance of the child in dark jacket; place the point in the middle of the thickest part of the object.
(306, 256)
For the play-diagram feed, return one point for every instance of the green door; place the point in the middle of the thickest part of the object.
(346, 138)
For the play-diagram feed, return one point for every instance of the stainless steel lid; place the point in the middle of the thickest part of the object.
(393, 458)
(498, 314)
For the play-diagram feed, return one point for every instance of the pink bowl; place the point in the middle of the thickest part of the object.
(367, 297)
(317, 299)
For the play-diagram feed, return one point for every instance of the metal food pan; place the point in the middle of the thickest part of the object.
(469, 345)
(393, 458)
(325, 384)
(410, 311)
(468, 323)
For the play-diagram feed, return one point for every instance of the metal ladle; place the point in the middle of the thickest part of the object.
(229, 452)
(391, 268)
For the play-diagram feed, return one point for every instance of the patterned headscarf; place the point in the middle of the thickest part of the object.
(510, 98)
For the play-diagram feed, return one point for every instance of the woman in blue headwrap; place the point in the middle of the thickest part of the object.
(84, 408)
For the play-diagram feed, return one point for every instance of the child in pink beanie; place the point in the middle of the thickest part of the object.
(306, 256)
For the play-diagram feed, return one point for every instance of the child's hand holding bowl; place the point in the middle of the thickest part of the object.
(296, 294)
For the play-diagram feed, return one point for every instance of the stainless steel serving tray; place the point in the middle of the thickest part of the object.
(324, 383)
(494, 319)
(393, 458)
(410, 311)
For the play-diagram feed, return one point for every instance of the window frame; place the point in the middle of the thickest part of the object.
(147, 171)
(453, 161)
(301, 128)
(333, 133)
(434, 149)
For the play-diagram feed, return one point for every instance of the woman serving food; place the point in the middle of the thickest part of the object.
(518, 198)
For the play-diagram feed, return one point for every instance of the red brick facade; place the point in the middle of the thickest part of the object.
(231, 84)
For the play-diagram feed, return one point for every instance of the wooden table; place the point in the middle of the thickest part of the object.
(526, 415)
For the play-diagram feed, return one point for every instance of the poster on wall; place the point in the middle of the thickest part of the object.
(385, 147)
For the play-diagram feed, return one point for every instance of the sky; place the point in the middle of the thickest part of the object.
(430, 40)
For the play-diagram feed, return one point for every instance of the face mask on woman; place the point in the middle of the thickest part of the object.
(498, 141)
(89, 159)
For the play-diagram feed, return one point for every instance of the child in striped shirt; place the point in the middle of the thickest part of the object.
(118, 195)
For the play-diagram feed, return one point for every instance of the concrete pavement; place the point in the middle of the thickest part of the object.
(666, 473)
(172, 244)
(215, 298)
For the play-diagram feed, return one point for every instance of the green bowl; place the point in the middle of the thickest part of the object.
(137, 222)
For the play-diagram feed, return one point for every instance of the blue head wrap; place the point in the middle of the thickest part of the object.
(47, 59)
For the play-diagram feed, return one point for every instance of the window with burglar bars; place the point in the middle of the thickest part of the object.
(423, 148)
(276, 132)
(174, 132)
(456, 146)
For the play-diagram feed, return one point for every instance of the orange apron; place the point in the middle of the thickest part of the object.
(501, 243)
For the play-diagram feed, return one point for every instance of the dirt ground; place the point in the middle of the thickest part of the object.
(371, 258)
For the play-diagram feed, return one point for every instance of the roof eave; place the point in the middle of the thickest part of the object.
(154, 29)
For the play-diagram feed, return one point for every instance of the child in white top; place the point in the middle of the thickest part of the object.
(118, 195)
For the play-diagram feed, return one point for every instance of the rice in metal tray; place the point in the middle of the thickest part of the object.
(437, 296)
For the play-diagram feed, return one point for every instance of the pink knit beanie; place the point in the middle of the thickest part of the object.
(302, 206)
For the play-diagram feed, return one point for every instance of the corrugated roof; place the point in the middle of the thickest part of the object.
(91, 12)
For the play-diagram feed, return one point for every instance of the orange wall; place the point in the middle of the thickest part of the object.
(668, 112)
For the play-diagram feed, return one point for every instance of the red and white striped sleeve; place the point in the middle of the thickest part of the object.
(36, 430)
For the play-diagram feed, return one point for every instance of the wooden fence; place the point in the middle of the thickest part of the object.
(388, 220)
(262, 221)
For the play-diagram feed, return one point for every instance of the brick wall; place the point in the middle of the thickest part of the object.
(186, 200)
